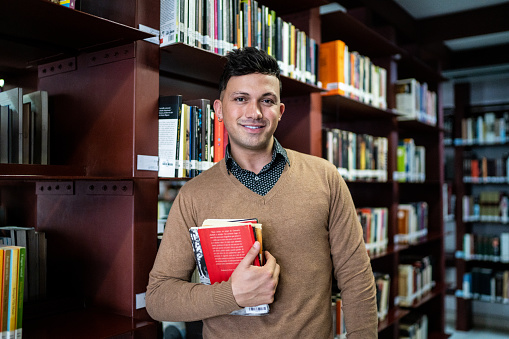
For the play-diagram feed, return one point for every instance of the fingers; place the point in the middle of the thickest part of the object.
(251, 255)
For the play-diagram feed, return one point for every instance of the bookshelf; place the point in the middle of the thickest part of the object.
(345, 113)
(102, 81)
(485, 223)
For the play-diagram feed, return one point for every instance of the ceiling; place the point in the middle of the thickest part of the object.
(461, 34)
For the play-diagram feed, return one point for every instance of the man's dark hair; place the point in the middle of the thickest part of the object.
(247, 61)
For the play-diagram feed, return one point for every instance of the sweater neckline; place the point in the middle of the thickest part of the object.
(280, 184)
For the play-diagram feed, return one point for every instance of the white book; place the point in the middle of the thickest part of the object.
(169, 22)
(41, 146)
(14, 99)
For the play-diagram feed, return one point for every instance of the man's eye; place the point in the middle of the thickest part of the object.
(240, 99)
(268, 101)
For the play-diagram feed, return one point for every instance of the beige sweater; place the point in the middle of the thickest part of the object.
(308, 219)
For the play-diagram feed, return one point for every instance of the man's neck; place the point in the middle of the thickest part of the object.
(252, 160)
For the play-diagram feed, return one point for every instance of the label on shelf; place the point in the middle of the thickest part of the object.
(147, 163)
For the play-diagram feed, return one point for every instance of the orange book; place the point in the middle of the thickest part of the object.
(219, 142)
(332, 69)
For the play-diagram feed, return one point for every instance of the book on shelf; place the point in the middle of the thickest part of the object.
(383, 286)
(4, 134)
(488, 128)
(485, 284)
(24, 127)
(415, 279)
(414, 326)
(410, 161)
(237, 24)
(36, 247)
(169, 112)
(13, 98)
(219, 245)
(374, 222)
(415, 102)
(487, 247)
(13, 268)
(338, 317)
(412, 222)
(357, 156)
(202, 134)
(350, 74)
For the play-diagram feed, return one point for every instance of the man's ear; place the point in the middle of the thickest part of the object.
(281, 110)
(218, 109)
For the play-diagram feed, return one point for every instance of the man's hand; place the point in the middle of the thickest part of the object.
(254, 285)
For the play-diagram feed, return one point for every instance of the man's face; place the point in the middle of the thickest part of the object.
(251, 109)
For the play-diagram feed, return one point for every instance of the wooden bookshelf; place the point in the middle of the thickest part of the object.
(344, 113)
(97, 208)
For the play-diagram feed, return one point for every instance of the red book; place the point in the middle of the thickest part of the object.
(224, 247)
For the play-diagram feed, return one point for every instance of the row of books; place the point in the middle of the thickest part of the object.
(489, 128)
(486, 170)
(223, 25)
(35, 244)
(191, 138)
(12, 272)
(412, 222)
(383, 287)
(414, 326)
(415, 101)
(488, 206)
(410, 162)
(486, 247)
(485, 284)
(415, 279)
(357, 156)
(374, 222)
(24, 127)
(449, 201)
(350, 74)
(67, 3)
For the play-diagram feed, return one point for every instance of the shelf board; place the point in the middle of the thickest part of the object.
(394, 315)
(356, 35)
(197, 65)
(349, 109)
(39, 172)
(37, 31)
(414, 125)
(391, 249)
(82, 324)
(435, 292)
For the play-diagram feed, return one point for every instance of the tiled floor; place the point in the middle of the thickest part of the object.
(477, 334)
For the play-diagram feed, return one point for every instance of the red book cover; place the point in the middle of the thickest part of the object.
(224, 247)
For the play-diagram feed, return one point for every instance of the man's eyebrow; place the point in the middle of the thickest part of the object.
(239, 93)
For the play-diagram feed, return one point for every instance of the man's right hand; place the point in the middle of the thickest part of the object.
(255, 285)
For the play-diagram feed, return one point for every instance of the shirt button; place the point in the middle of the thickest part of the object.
(257, 178)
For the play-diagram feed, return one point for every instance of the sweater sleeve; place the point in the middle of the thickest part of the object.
(170, 296)
(352, 267)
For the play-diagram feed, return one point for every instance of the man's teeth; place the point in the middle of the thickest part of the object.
(253, 127)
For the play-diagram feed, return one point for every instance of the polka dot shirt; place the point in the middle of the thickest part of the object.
(262, 182)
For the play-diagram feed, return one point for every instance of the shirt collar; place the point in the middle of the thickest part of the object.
(276, 150)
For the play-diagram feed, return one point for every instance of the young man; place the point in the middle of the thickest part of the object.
(310, 227)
